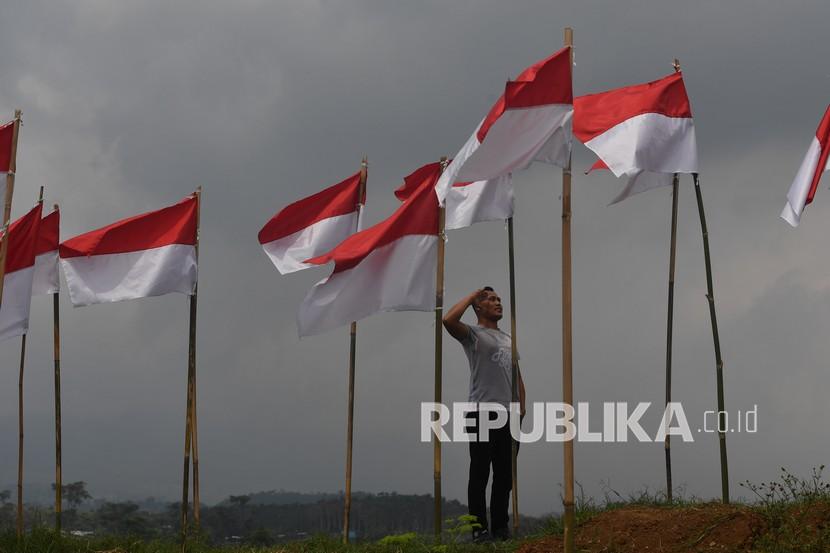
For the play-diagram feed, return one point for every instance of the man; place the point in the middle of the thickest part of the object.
(488, 351)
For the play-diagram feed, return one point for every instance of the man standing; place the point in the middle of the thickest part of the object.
(488, 351)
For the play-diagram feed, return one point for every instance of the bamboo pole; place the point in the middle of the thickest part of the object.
(567, 338)
(439, 334)
(7, 202)
(194, 442)
(347, 500)
(514, 373)
(191, 388)
(20, 440)
(669, 328)
(57, 356)
(20, 418)
(710, 296)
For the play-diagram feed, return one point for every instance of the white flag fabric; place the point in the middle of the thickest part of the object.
(816, 162)
(644, 132)
(388, 267)
(466, 203)
(530, 122)
(475, 202)
(147, 255)
(17, 282)
(312, 226)
(46, 279)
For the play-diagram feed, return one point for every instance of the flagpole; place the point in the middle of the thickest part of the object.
(57, 357)
(7, 202)
(567, 336)
(347, 504)
(514, 374)
(20, 418)
(669, 328)
(20, 439)
(710, 296)
(191, 387)
(439, 335)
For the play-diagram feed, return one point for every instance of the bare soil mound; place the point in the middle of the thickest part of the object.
(709, 527)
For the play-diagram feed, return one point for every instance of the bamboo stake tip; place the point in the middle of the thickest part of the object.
(18, 113)
(40, 195)
(676, 65)
(55, 207)
(569, 36)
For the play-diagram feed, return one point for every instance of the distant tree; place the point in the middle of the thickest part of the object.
(5, 495)
(239, 501)
(74, 493)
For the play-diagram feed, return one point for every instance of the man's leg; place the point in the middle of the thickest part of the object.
(502, 455)
(479, 475)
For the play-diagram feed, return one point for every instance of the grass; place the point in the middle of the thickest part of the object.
(795, 513)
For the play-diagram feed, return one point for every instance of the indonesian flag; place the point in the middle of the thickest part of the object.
(644, 132)
(530, 122)
(17, 282)
(312, 226)
(467, 202)
(804, 187)
(147, 255)
(388, 267)
(46, 279)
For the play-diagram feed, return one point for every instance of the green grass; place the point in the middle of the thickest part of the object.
(795, 513)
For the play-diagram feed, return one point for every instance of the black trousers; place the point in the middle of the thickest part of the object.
(495, 452)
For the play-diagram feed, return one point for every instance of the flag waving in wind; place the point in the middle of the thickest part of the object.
(312, 226)
(804, 187)
(530, 122)
(46, 279)
(388, 267)
(467, 203)
(17, 287)
(147, 255)
(644, 132)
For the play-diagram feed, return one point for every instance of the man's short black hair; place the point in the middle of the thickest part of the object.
(485, 289)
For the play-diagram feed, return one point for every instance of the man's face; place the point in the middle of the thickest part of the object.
(489, 306)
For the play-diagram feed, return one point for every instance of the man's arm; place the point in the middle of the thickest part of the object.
(452, 320)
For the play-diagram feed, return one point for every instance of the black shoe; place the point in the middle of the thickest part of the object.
(502, 534)
(482, 536)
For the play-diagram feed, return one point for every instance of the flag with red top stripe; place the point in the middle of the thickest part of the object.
(816, 162)
(312, 226)
(151, 254)
(17, 282)
(530, 122)
(644, 132)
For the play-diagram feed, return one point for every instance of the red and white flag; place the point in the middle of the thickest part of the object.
(17, 282)
(147, 255)
(467, 202)
(644, 132)
(388, 267)
(312, 226)
(46, 279)
(530, 122)
(804, 187)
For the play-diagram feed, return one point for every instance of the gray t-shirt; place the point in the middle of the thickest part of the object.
(489, 353)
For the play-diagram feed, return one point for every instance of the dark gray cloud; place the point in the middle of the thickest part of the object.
(130, 106)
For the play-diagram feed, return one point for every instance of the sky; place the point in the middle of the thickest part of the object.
(129, 106)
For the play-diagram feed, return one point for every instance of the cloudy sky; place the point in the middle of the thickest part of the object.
(128, 106)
